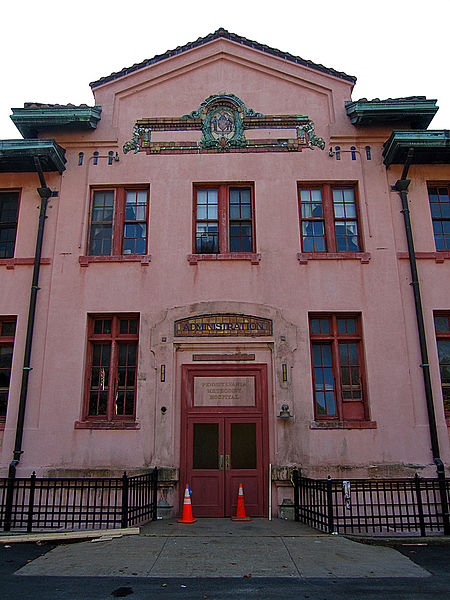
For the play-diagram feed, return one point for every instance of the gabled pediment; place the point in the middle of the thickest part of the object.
(237, 39)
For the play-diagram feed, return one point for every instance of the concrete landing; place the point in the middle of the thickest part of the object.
(221, 548)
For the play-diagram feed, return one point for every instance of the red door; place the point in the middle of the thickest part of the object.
(225, 445)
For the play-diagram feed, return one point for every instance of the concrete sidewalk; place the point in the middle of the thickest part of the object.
(222, 548)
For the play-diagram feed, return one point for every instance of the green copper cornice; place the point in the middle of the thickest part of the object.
(31, 120)
(417, 111)
(17, 156)
(430, 147)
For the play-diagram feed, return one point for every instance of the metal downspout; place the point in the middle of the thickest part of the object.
(401, 187)
(45, 193)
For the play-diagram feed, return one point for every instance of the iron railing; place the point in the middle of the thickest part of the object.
(372, 506)
(77, 503)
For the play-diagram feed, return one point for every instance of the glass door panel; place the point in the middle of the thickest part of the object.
(243, 446)
(205, 446)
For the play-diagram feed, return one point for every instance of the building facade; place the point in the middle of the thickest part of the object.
(225, 279)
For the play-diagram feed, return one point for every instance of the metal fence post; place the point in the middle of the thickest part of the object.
(296, 484)
(444, 502)
(9, 497)
(330, 505)
(31, 502)
(124, 520)
(154, 493)
(419, 505)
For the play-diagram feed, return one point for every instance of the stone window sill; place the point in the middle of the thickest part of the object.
(106, 425)
(10, 263)
(144, 259)
(304, 257)
(343, 425)
(438, 257)
(253, 257)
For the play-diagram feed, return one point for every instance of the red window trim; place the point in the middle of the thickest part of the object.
(446, 184)
(223, 226)
(117, 225)
(333, 338)
(108, 421)
(331, 251)
(7, 341)
(19, 192)
(442, 335)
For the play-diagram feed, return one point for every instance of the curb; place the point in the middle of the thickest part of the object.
(67, 535)
(400, 541)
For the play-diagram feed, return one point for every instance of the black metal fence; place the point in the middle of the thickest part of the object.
(77, 503)
(373, 506)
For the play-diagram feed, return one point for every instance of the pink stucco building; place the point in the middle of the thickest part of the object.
(225, 279)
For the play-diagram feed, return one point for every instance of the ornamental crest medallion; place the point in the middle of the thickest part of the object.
(222, 124)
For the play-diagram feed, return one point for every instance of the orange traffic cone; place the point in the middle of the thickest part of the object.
(240, 515)
(187, 508)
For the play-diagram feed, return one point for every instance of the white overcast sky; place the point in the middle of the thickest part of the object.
(51, 50)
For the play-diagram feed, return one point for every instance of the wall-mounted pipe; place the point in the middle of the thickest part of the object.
(44, 193)
(401, 187)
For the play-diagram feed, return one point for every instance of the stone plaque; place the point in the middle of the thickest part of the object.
(223, 326)
(224, 391)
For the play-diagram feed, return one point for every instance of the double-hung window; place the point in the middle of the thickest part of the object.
(7, 332)
(338, 367)
(223, 219)
(329, 219)
(111, 368)
(9, 205)
(442, 327)
(438, 196)
(118, 221)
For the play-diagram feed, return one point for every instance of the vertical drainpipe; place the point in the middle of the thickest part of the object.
(45, 193)
(401, 187)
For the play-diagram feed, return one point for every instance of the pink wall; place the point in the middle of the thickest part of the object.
(279, 287)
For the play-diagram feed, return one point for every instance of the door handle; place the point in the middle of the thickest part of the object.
(227, 461)
(221, 462)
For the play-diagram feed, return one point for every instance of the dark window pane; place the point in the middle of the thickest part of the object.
(6, 352)
(444, 351)
(3, 402)
(206, 446)
(441, 323)
(243, 445)
(315, 325)
(9, 203)
(8, 328)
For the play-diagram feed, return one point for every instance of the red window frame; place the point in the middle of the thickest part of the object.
(327, 220)
(439, 199)
(104, 377)
(118, 222)
(442, 329)
(7, 335)
(7, 246)
(224, 220)
(341, 366)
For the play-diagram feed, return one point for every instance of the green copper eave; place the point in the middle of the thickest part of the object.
(31, 121)
(430, 147)
(17, 156)
(418, 112)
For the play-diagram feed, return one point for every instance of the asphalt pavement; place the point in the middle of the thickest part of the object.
(220, 560)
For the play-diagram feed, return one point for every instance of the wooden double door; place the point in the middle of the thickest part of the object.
(224, 440)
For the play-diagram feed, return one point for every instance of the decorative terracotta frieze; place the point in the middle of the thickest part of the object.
(223, 120)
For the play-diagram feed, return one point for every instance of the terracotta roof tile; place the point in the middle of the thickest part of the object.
(222, 33)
